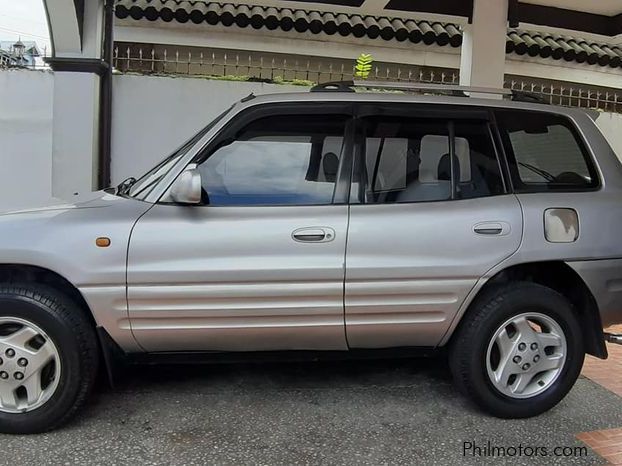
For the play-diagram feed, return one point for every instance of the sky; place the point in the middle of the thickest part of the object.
(25, 19)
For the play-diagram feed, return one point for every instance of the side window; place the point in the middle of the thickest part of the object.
(279, 160)
(545, 153)
(408, 160)
(479, 171)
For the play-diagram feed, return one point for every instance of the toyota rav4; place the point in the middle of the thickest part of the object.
(324, 224)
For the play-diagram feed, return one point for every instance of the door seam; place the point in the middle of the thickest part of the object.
(345, 276)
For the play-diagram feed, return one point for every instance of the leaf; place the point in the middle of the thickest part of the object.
(363, 65)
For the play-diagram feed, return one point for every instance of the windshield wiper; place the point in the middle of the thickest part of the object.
(544, 174)
(125, 185)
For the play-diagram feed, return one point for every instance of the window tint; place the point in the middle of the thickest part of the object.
(545, 153)
(479, 171)
(281, 160)
(408, 160)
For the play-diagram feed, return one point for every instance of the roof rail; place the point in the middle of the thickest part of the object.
(334, 86)
(450, 89)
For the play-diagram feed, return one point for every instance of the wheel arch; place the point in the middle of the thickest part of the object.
(560, 277)
(14, 273)
(23, 273)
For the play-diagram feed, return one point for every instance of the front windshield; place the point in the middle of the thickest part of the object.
(141, 188)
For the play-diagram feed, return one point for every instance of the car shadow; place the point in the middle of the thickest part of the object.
(309, 374)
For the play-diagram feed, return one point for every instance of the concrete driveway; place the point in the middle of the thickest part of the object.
(362, 412)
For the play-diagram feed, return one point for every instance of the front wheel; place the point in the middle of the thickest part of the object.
(519, 351)
(48, 358)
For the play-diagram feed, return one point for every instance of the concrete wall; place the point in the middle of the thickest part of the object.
(611, 126)
(152, 116)
(25, 138)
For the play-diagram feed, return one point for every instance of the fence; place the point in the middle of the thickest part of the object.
(272, 67)
(299, 69)
(266, 66)
(569, 94)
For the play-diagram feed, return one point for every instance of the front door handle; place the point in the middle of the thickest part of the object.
(313, 235)
(492, 228)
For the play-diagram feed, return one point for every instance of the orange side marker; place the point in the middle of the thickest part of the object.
(102, 242)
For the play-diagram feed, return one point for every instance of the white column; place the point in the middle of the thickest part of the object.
(64, 27)
(75, 133)
(75, 126)
(482, 59)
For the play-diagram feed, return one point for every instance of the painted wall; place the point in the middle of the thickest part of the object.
(610, 125)
(25, 138)
(151, 117)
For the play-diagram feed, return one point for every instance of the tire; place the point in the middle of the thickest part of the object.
(65, 338)
(476, 352)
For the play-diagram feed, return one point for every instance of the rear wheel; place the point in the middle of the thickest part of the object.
(48, 358)
(519, 351)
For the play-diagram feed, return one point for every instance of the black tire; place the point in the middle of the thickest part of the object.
(469, 346)
(73, 335)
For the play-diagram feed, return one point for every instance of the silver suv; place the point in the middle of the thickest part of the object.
(321, 223)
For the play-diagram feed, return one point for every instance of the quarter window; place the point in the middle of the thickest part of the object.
(280, 160)
(408, 160)
(545, 153)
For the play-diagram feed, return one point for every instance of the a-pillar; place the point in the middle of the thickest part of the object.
(482, 60)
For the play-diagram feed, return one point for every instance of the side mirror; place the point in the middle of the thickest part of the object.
(187, 187)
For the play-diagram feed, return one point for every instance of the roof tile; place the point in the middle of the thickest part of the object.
(534, 44)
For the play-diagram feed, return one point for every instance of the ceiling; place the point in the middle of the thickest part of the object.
(601, 17)
(600, 7)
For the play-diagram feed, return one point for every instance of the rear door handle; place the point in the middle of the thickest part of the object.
(492, 228)
(313, 235)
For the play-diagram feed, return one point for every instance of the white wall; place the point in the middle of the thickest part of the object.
(611, 126)
(25, 138)
(152, 115)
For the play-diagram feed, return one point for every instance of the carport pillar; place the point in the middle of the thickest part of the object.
(77, 33)
(482, 59)
(75, 133)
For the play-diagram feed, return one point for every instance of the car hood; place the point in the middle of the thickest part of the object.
(85, 201)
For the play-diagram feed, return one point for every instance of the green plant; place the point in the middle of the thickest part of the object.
(363, 65)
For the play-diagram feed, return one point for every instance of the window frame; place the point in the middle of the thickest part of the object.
(247, 116)
(450, 114)
(510, 159)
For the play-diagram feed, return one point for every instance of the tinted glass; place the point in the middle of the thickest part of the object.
(280, 160)
(545, 152)
(407, 160)
(478, 168)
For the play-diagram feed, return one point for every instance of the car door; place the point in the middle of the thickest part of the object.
(430, 215)
(259, 265)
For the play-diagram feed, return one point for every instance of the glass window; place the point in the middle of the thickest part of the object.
(479, 174)
(142, 187)
(545, 153)
(280, 160)
(408, 160)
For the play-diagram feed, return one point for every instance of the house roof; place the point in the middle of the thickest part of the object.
(520, 42)
(30, 46)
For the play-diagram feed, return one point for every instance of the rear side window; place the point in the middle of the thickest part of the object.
(545, 153)
(408, 160)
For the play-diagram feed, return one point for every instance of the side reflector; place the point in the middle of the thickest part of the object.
(102, 242)
(561, 225)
